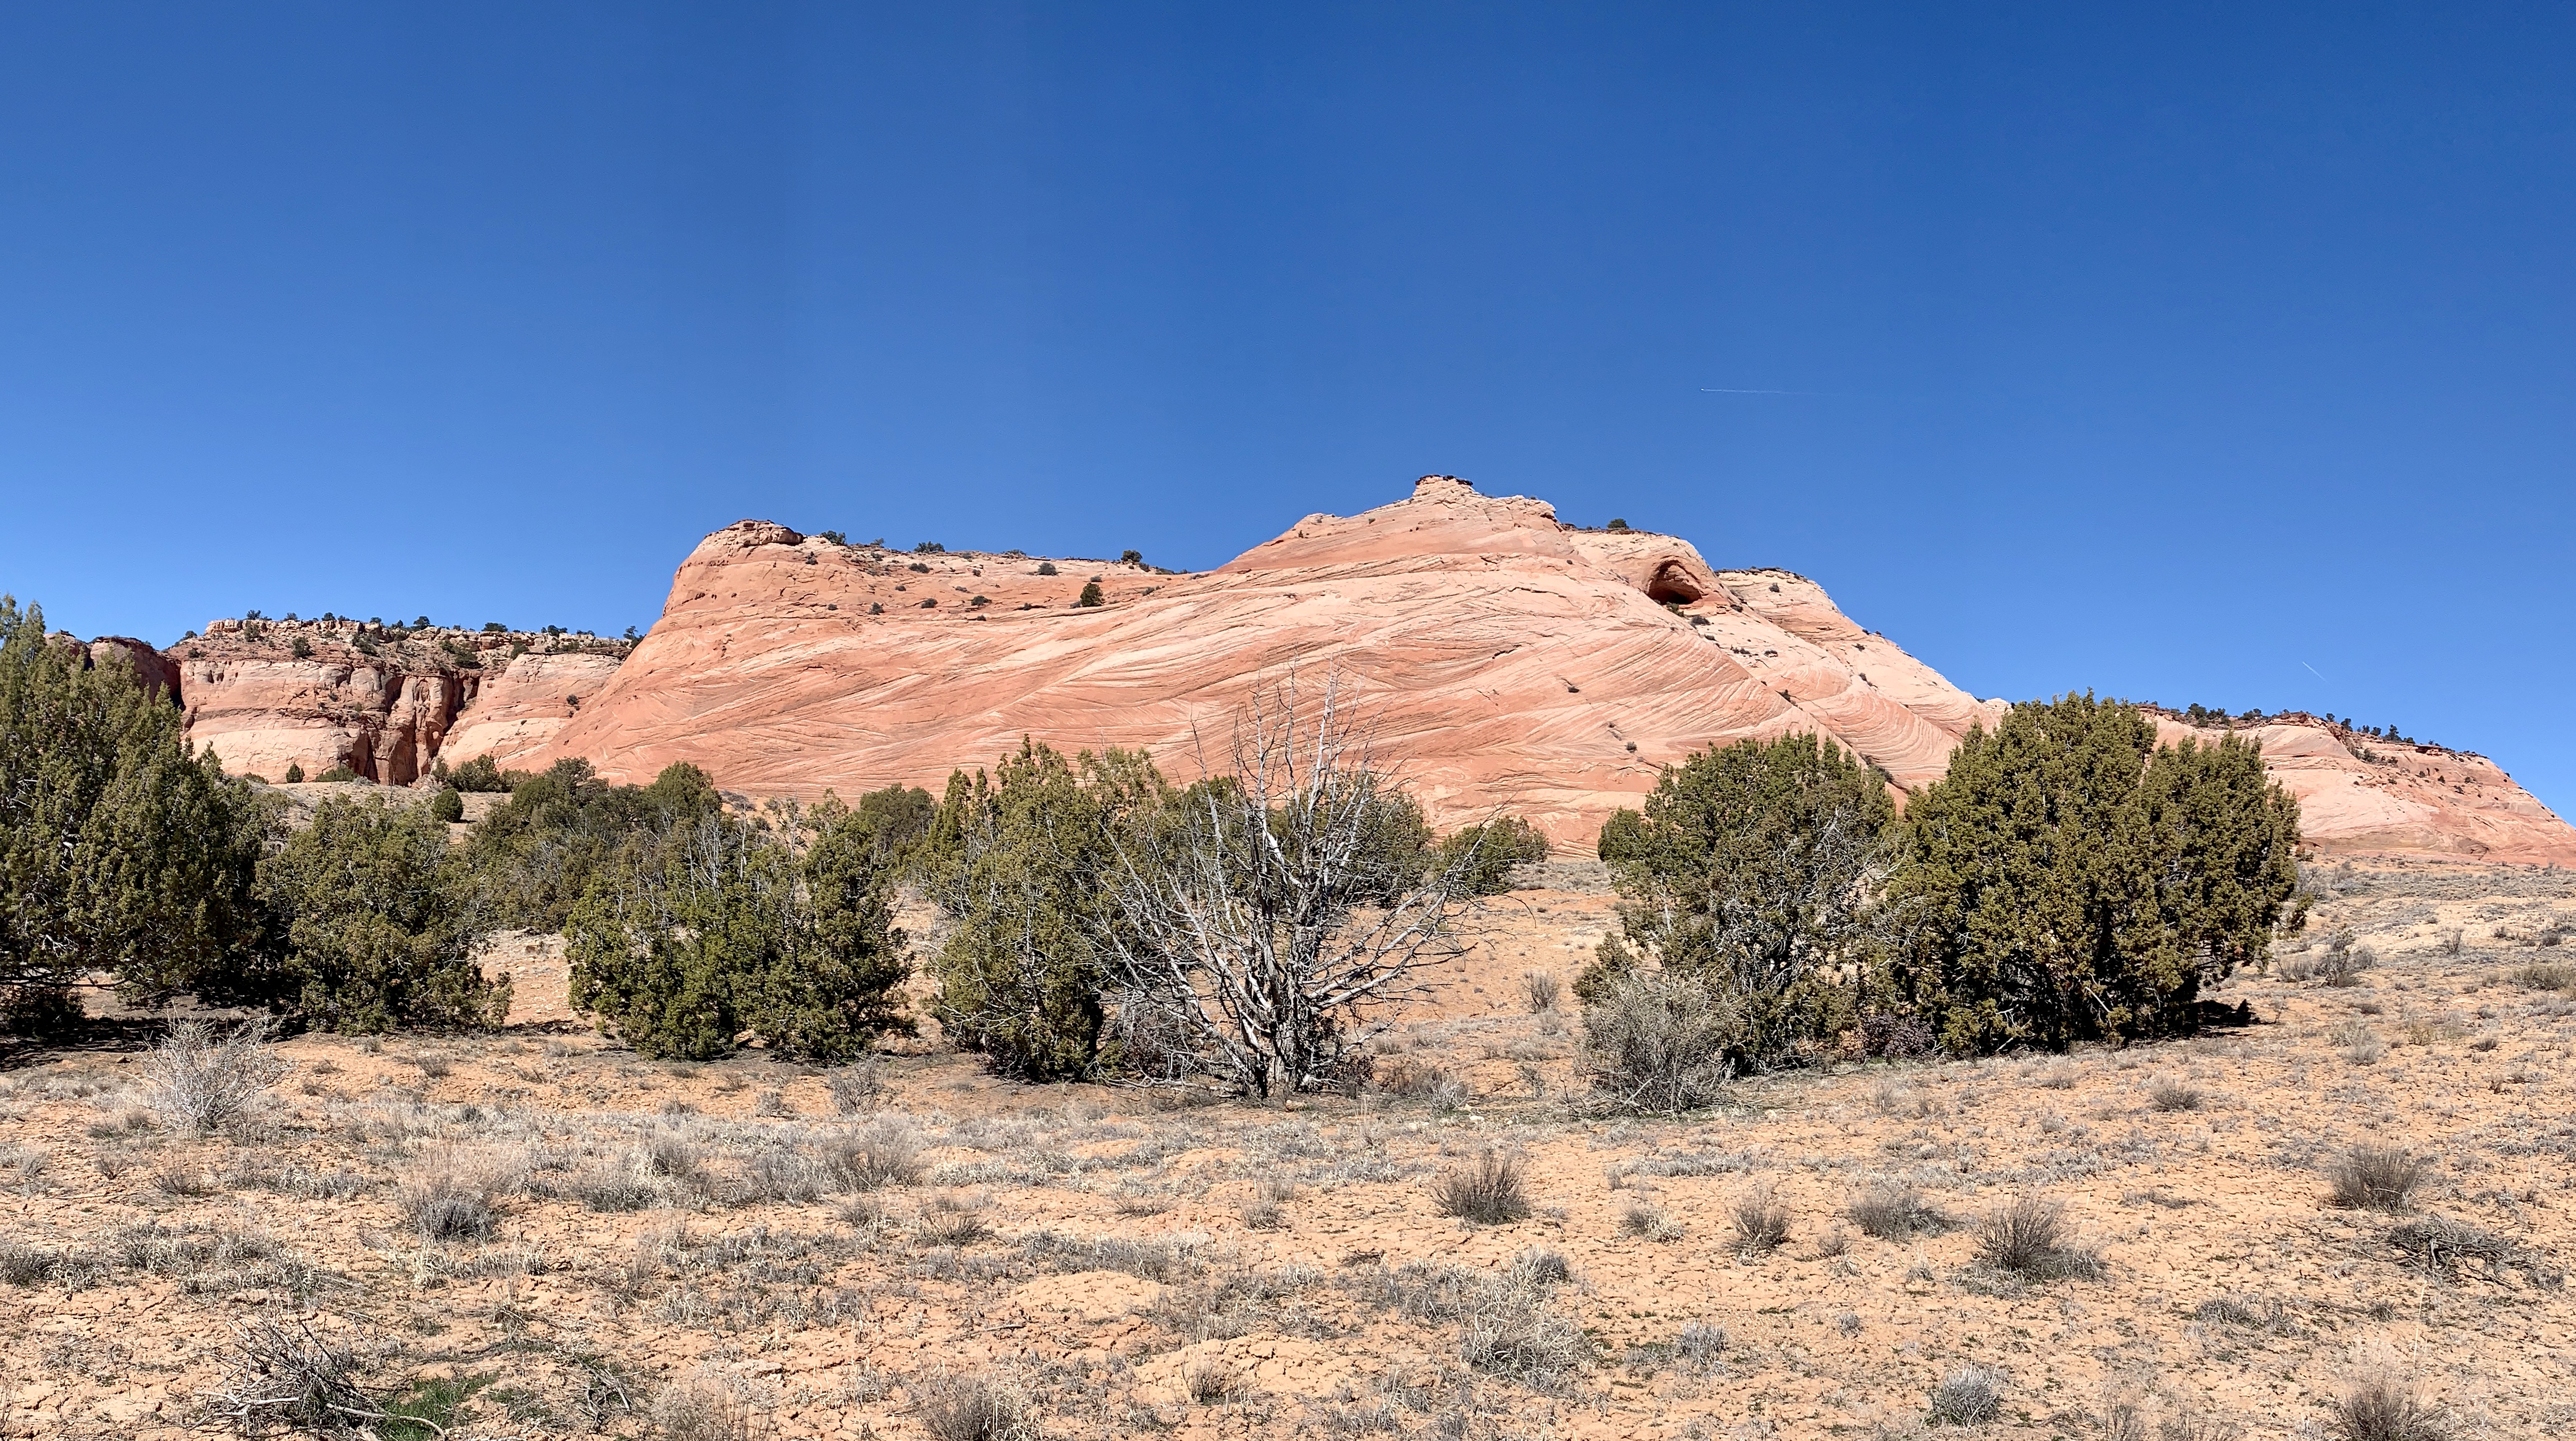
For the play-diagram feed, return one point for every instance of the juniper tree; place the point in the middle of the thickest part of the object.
(1752, 869)
(121, 851)
(1018, 860)
(379, 925)
(2071, 880)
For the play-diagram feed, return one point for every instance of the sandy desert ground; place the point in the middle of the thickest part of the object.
(748, 1249)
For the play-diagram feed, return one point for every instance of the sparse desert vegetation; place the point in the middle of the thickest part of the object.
(540, 1233)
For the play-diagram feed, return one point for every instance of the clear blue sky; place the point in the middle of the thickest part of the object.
(2222, 355)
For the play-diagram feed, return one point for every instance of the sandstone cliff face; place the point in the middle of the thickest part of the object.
(522, 702)
(378, 701)
(1510, 661)
(2366, 796)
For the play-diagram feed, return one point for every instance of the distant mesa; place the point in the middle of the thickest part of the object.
(1510, 661)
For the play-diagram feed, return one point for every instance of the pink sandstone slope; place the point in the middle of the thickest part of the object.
(1510, 661)
(2361, 795)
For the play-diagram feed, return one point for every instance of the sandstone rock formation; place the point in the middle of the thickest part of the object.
(522, 702)
(2362, 795)
(378, 701)
(1510, 660)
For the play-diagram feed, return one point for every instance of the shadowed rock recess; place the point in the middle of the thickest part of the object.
(1511, 661)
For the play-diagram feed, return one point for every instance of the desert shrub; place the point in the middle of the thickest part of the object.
(1090, 595)
(294, 773)
(1969, 1396)
(722, 928)
(1507, 1328)
(1752, 869)
(1019, 862)
(1540, 991)
(2374, 1178)
(1661, 1042)
(379, 924)
(201, 1083)
(1893, 1211)
(882, 1153)
(2545, 976)
(446, 807)
(2382, 1407)
(121, 850)
(1489, 1191)
(1761, 1222)
(2070, 880)
(451, 1196)
(336, 774)
(1261, 912)
(535, 856)
(2169, 1095)
(858, 1088)
(2028, 1238)
(481, 774)
(1487, 852)
(974, 1408)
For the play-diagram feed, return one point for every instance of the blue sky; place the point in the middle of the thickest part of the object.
(2218, 355)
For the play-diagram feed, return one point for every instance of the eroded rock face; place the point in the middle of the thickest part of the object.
(267, 696)
(2366, 796)
(1509, 661)
(521, 705)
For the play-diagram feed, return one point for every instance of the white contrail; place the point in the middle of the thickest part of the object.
(2312, 670)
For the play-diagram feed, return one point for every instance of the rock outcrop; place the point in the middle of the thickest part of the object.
(1507, 659)
(327, 695)
(522, 702)
(2363, 795)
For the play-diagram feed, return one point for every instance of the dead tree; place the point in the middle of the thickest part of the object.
(1266, 910)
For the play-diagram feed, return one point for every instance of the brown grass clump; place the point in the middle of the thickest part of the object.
(2175, 1096)
(1761, 1222)
(974, 1408)
(2374, 1178)
(2028, 1238)
(1969, 1396)
(2383, 1408)
(201, 1083)
(878, 1154)
(1489, 1191)
(1648, 1221)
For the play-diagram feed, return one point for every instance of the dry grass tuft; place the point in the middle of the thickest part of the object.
(974, 1408)
(2373, 1178)
(1761, 1222)
(1648, 1221)
(2384, 1408)
(1489, 1191)
(1540, 991)
(2175, 1096)
(1969, 1396)
(1893, 1211)
(881, 1153)
(2028, 1238)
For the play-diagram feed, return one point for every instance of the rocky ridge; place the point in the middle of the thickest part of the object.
(1508, 660)
(382, 702)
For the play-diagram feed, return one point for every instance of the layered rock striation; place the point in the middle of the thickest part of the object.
(1508, 660)
(382, 703)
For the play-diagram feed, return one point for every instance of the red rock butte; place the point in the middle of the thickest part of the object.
(1508, 660)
